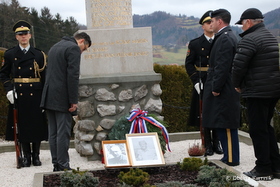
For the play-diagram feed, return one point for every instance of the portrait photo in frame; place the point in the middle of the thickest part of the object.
(144, 149)
(115, 153)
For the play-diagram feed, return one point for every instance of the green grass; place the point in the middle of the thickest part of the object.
(170, 57)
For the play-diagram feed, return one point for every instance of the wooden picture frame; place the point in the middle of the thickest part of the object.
(144, 149)
(115, 153)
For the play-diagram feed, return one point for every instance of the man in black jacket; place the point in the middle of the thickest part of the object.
(256, 76)
(23, 75)
(196, 64)
(60, 94)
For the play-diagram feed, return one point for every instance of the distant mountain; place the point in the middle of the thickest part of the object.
(169, 29)
(272, 22)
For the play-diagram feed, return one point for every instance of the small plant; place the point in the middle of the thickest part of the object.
(196, 150)
(78, 178)
(192, 164)
(134, 177)
(217, 177)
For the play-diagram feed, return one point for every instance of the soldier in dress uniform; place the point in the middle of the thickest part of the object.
(23, 74)
(196, 64)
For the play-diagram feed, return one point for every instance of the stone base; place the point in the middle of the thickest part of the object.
(103, 100)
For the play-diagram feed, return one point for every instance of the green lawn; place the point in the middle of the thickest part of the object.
(170, 57)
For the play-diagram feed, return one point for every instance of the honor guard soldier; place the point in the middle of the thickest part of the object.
(196, 64)
(23, 74)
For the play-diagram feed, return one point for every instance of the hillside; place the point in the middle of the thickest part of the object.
(272, 22)
(174, 30)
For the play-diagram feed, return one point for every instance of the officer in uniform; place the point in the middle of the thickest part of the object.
(22, 74)
(196, 64)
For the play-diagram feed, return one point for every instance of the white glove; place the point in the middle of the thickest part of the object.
(196, 86)
(10, 96)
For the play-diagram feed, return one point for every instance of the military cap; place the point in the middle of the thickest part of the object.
(219, 12)
(251, 13)
(22, 27)
(206, 17)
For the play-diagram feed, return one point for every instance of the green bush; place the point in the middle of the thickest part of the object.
(192, 163)
(176, 97)
(217, 177)
(3, 103)
(135, 177)
(78, 178)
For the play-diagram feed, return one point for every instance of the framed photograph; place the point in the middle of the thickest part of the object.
(115, 153)
(144, 149)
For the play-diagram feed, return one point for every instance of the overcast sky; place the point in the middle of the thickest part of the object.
(196, 8)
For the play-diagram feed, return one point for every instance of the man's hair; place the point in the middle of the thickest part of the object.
(226, 18)
(85, 36)
(222, 14)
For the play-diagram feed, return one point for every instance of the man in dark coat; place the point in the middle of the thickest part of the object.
(60, 94)
(221, 106)
(256, 76)
(23, 74)
(196, 64)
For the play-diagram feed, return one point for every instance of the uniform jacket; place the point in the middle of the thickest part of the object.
(31, 120)
(221, 111)
(62, 76)
(197, 56)
(256, 64)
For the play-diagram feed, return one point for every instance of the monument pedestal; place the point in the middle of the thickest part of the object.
(103, 100)
(116, 74)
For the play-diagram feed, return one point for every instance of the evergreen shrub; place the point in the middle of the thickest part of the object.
(78, 178)
(216, 177)
(134, 177)
(176, 97)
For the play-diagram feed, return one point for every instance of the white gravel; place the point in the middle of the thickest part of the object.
(12, 177)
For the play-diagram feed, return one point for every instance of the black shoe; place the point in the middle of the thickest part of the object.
(36, 160)
(62, 168)
(217, 149)
(254, 174)
(35, 154)
(230, 163)
(26, 162)
(55, 168)
(209, 151)
(276, 173)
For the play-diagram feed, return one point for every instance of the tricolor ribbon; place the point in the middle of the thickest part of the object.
(138, 125)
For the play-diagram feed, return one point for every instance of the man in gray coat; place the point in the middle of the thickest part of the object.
(221, 106)
(60, 94)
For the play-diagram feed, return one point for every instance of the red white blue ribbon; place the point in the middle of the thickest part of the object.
(138, 125)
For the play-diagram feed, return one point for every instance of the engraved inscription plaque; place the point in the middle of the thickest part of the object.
(104, 14)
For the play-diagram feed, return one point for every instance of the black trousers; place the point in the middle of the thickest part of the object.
(260, 113)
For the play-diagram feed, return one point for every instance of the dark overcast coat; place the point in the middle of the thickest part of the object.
(222, 111)
(31, 121)
(197, 55)
(62, 76)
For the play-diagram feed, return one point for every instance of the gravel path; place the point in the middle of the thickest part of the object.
(12, 177)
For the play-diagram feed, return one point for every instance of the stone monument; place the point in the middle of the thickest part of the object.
(116, 74)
